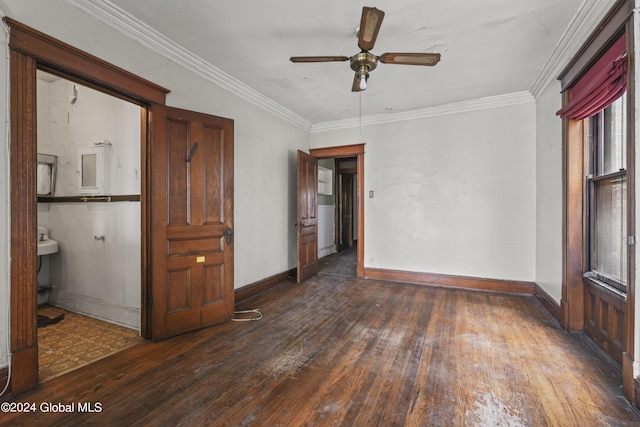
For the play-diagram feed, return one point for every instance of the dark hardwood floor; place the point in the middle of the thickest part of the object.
(343, 263)
(343, 351)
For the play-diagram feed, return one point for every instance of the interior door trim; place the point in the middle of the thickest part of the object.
(58, 56)
(32, 50)
(355, 150)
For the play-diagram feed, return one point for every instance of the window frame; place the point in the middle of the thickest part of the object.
(596, 141)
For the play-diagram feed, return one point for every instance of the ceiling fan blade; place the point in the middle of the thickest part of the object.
(355, 87)
(369, 27)
(319, 58)
(410, 58)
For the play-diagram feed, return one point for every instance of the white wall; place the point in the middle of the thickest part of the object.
(265, 144)
(549, 191)
(326, 230)
(264, 172)
(65, 128)
(326, 214)
(454, 193)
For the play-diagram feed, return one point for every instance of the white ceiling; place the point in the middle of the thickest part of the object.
(488, 47)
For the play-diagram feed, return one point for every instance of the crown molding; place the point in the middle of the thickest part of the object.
(511, 99)
(135, 29)
(589, 15)
(584, 22)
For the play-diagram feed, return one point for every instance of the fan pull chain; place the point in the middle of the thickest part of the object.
(360, 113)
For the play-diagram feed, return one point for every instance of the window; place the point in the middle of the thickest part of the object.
(607, 194)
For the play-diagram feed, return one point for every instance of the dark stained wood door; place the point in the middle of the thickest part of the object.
(346, 214)
(191, 196)
(307, 216)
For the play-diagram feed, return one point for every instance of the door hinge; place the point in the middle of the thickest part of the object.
(149, 301)
(228, 234)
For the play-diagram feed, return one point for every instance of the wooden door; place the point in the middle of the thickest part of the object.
(346, 219)
(191, 192)
(307, 216)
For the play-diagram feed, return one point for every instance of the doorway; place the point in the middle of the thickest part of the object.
(347, 208)
(167, 142)
(92, 282)
(32, 51)
(351, 159)
(196, 148)
(338, 216)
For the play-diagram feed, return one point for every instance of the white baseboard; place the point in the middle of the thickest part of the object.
(128, 317)
(323, 252)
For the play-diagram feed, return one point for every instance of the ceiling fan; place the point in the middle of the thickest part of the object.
(365, 61)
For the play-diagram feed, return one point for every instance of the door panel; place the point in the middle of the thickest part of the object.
(307, 196)
(192, 209)
(178, 289)
(213, 157)
(604, 313)
(177, 173)
(346, 193)
(213, 281)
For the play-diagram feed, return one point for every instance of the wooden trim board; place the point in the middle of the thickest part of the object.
(255, 288)
(445, 280)
(548, 302)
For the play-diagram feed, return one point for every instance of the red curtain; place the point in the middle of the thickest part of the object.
(605, 82)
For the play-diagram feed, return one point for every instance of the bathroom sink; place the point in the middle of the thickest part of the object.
(47, 247)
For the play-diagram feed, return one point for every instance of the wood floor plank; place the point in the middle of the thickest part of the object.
(344, 351)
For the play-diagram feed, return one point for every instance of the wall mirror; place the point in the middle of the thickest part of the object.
(95, 170)
(46, 179)
(89, 168)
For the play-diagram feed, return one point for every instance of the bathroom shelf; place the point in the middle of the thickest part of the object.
(325, 181)
(89, 199)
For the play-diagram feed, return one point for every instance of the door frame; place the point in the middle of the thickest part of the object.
(357, 151)
(340, 171)
(30, 51)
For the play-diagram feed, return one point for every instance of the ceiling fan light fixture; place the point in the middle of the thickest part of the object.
(363, 75)
(365, 61)
(363, 81)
